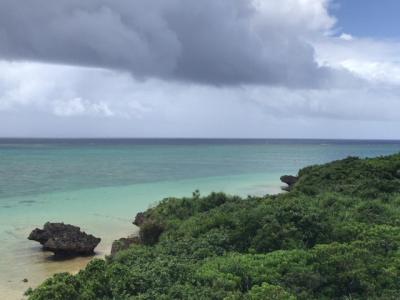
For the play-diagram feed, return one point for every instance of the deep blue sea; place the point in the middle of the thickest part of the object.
(100, 184)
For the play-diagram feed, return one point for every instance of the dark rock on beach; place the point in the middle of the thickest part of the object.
(289, 180)
(123, 244)
(64, 239)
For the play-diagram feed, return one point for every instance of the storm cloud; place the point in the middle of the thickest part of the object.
(185, 68)
(217, 42)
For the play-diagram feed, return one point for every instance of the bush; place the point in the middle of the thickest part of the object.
(269, 292)
(150, 232)
(336, 235)
(61, 286)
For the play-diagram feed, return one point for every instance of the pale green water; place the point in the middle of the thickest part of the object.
(101, 184)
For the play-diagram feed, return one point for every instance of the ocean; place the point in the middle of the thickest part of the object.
(100, 185)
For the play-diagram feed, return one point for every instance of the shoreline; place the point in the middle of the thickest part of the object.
(219, 246)
(47, 266)
(106, 212)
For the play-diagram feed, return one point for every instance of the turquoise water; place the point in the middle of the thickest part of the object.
(30, 167)
(101, 184)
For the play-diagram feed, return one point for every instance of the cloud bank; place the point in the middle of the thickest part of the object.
(222, 42)
(185, 68)
(51, 100)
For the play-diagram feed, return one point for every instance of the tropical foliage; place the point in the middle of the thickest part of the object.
(336, 235)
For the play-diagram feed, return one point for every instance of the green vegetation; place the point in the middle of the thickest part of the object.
(336, 235)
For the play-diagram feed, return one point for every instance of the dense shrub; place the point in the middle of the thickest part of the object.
(150, 232)
(336, 235)
(59, 287)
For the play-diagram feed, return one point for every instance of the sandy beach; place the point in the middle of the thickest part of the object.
(36, 265)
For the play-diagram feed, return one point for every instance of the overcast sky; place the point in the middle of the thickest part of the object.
(190, 68)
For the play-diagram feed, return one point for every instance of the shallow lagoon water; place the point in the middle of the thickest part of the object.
(100, 185)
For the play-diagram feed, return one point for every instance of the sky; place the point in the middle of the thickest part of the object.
(369, 18)
(211, 68)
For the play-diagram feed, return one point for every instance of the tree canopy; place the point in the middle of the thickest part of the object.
(335, 235)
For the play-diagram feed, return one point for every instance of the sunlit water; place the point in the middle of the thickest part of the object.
(100, 185)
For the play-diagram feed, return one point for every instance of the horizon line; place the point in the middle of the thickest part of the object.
(197, 138)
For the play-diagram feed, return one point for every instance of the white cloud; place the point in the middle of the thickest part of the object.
(69, 108)
(377, 61)
(374, 71)
(59, 100)
(66, 90)
(346, 37)
(365, 104)
(307, 16)
(95, 102)
(77, 106)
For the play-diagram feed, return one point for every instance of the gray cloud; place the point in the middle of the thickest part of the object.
(242, 58)
(221, 42)
(52, 100)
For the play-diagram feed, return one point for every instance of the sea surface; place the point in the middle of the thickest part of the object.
(100, 184)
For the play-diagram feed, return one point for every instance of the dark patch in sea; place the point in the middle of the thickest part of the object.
(27, 201)
(110, 217)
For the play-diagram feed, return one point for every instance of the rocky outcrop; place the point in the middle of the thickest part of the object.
(290, 181)
(123, 244)
(64, 239)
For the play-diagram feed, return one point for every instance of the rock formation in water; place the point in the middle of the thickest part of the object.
(64, 239)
